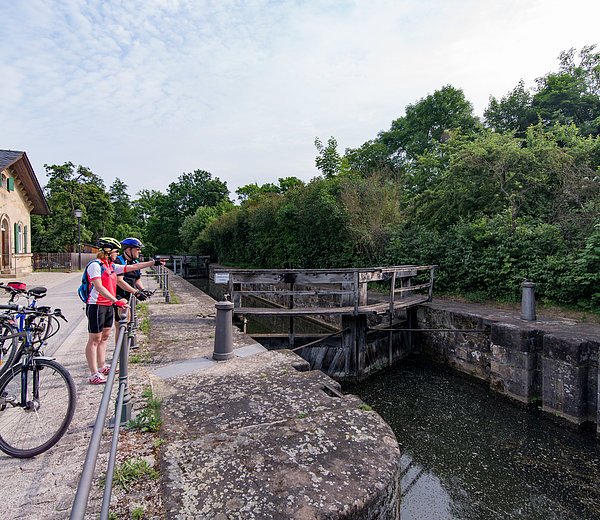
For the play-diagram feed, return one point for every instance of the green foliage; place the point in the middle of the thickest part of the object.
(148, 419)
(513, 113)
(430, 121)
(183, 198)
(572, 95)
(253, 191)
(132, 471)
(193, 225)
(72, 187)
(328, 159)
(518, 198)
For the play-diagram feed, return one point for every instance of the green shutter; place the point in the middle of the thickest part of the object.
(16, 238)
(25, 239)
(10, 184)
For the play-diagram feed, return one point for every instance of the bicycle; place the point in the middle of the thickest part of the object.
(8, 342)
(37, 394)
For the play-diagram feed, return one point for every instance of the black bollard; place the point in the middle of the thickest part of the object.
(224, 331)
(528, 301)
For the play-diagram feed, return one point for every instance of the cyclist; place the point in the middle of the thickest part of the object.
(103, 277)
(132, 247)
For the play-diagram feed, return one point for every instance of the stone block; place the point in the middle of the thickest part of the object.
(568, 349)
(565, 390)
(518, 383)
(480, 371)
(517, 359)
(515, 337)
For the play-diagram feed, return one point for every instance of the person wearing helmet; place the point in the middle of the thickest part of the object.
(132, 247)
(102, 274)
(133, 284)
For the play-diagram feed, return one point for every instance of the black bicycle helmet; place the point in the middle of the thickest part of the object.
(108, 243)
(131, 242)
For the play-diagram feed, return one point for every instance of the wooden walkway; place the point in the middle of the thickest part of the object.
(375, 308)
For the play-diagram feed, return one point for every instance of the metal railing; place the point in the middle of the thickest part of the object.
(124, 404)
(60, 261)
(162, 277)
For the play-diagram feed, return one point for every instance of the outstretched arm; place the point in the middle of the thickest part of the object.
(143, 265)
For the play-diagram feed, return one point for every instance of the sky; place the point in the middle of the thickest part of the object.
(145, 90)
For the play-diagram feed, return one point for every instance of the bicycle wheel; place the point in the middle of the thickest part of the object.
(8, 346)
(30, 428)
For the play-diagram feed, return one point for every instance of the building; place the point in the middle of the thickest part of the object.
(20, 196)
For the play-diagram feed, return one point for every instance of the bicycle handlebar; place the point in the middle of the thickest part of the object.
(58, 312)
(11, 307)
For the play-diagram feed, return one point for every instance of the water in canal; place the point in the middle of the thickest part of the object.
(468, 453)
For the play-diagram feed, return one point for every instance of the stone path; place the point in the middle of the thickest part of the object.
(44, 487)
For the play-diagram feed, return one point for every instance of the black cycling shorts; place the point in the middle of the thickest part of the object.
(99, 317)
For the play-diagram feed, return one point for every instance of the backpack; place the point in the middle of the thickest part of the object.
(86, 287)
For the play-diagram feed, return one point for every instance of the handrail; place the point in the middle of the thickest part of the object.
(122, 410)
(353, 281)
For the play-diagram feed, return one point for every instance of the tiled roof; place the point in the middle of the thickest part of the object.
(8, 157)
(22, 169)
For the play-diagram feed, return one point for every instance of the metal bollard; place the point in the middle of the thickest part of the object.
(528, 301)
(166, 292)
(224, 331)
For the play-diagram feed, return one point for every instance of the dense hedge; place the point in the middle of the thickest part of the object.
(539, 220)
(483, 260)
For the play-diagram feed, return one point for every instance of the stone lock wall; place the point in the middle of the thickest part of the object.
(553, 363)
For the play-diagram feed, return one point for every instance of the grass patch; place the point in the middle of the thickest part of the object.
(131, 471)
(136, 359)
(148, 419)
(173, 298)
(143, 314)
(365, 407)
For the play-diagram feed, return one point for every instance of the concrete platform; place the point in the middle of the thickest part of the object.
(259, 436)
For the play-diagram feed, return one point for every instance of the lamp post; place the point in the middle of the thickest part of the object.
(78, 215)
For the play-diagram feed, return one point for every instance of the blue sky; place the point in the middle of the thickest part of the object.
(145, 90)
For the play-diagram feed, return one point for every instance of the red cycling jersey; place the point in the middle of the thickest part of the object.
(108, 276)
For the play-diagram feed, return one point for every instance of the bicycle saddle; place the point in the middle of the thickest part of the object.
(19, 286)
(38, 292)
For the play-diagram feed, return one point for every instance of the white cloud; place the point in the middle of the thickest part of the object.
(145, 90)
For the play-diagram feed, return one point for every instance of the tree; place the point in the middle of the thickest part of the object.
(121, 202)
(572, 95)
(513, 113)
(183, 198)
(289, 183)
(428, 122)
(328, 160)
(193, 225)
(253, 191)
(125, 223)
(70, 188)
(372, 156)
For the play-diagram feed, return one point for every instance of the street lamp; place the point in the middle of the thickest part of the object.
(78, 215)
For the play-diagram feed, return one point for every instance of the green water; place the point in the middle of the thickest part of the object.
(471, 454)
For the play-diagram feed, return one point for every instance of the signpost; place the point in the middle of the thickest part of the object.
(222, 278)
